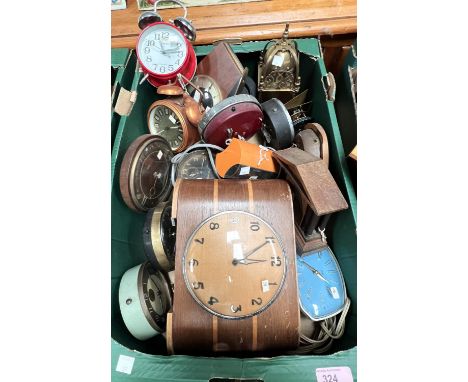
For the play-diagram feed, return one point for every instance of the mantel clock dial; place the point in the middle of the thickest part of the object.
(235, 274)
(234, 264)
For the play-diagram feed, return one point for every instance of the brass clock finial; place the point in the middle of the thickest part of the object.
(286, 32)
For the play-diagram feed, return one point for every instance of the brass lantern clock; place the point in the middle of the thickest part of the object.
(278, 70)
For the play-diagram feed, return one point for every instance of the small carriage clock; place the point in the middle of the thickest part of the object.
(164, 49)
(278, 70)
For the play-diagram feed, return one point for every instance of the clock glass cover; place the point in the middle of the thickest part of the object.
(234, 264)
(205, 82)
(162, 49)
(322, 292)
(165, 122)
(149, 179)
(195, 165)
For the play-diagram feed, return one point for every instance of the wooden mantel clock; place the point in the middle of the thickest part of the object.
(235, 274)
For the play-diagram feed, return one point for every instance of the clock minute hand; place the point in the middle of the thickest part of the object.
(254, 250)
(315, 272)
(246, 256)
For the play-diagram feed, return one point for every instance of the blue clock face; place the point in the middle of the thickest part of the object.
(322, 292)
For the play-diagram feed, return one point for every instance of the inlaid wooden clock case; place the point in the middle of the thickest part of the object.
(193, 330)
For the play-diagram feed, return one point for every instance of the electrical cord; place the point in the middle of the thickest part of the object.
(330, 329)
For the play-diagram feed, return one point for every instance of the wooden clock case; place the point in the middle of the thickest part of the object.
(193, 330)
(316, 194)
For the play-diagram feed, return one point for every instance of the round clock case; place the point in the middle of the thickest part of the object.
(322, 292)
(145, 173)
(163, 68)
(278, 128)
(159, 237)
(144, 299)
(168, 119)
(234, 117)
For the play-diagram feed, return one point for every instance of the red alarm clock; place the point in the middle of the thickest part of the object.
(239, 116)
(163, 49)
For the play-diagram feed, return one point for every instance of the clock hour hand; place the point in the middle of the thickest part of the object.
(315, 271)
(248, 254)
(246, 261)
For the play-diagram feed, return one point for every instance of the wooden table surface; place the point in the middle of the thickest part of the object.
(260, 20)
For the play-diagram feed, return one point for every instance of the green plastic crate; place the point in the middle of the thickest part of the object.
(345, 104)
(150, 362)
(124, 62)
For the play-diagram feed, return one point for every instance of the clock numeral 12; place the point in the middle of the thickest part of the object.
(275, 261)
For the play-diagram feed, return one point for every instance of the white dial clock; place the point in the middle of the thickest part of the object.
(163, 51)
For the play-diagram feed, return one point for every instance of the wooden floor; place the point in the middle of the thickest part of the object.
(250, 21)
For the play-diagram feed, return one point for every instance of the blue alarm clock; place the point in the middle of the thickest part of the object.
(322, 291)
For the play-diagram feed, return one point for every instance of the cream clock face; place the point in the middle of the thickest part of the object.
(234, 264)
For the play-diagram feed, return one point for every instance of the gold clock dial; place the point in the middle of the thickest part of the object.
(234, 264)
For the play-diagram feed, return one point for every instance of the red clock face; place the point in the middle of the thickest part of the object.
(237, 116)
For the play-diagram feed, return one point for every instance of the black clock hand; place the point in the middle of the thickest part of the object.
(152, 190)
(255, 250)
(248, 254)
(314, 271)
(250, 261)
